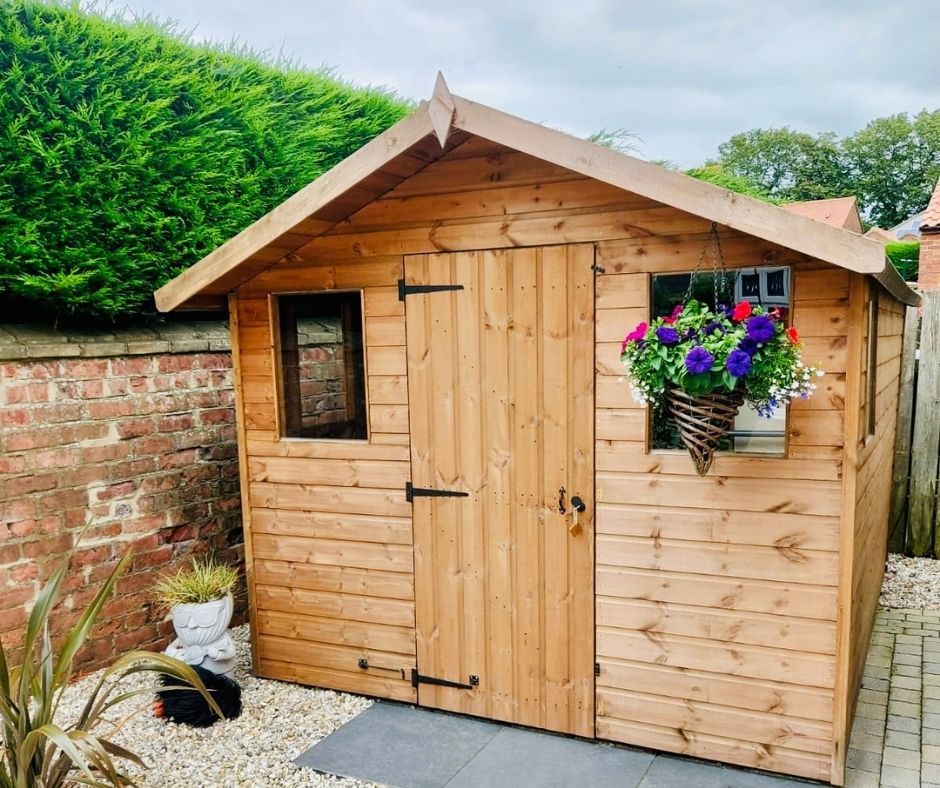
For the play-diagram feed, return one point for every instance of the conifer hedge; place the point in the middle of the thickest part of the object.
(127, 153)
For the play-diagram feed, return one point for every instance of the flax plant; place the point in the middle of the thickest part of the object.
(41, 751)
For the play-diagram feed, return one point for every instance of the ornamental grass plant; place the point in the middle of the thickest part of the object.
(41, 751)
(205, 581)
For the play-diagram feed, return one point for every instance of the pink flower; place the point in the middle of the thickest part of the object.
(634, 336)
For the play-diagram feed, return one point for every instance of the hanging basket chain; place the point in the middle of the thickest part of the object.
(719, 276)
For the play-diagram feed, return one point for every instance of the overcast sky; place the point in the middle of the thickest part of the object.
(684, 75)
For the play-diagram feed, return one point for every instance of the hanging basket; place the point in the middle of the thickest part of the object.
(703, 420)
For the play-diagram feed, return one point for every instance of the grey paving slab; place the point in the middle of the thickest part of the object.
(516, 757)
(667, 772)
(400, 746)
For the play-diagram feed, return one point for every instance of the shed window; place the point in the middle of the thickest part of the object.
(767, 286)
(322, 373)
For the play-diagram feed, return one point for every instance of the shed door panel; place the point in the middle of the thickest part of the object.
(500, 379)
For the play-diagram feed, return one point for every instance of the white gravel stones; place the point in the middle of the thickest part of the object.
(278, 722)
(911, 583)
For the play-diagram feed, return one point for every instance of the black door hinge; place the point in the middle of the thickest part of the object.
(407, 290)
(598, 269)
(412, 492)
(417, 678)
(597, 669)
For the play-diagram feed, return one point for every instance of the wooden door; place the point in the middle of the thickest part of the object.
(501, 403)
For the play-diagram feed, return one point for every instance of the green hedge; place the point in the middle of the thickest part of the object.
(127, 153)
(904, 255)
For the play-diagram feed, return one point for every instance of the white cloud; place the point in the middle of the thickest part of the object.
(682, 74)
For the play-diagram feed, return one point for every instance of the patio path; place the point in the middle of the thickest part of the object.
(896, 736)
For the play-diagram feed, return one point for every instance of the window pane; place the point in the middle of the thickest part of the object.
(776, 284)
(322, 370)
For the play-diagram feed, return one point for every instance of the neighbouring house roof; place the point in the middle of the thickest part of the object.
(930, 221)
(445, 121)
(880, 234)
(909, 229)
(840, 212)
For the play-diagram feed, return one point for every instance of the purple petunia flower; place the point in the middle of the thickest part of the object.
(738, 363)
(689, 334)
(748, 345)
(760, 328)
(698, 360)
(667, 335)
(711, 328)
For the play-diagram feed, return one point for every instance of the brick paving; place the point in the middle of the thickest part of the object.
(896, 736)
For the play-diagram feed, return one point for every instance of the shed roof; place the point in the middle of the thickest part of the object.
(840, 212)
(445, 121)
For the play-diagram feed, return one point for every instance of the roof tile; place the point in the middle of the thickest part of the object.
(931, 220)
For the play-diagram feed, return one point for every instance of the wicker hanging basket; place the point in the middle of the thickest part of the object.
(703, 420)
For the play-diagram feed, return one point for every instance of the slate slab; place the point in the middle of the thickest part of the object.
(400, 746)
(516, 757)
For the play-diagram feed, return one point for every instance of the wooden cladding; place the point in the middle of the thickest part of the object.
(501, 381)
(730, 578)
(332, 561)
(732, 611)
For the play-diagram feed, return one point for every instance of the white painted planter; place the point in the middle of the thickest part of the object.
(202, 623)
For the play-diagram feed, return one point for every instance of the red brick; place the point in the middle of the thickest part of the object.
(11, 619)
(156, 444)
(158, 557)
(176, 363)
(14, 417)
(110, 451)
(17, 596)
(85, 369)
(178, 458)
(218, 416)
(134, 365)
(12, 463)
(111, 409)
(55, 545)
(36, 482)
(63, 499)
(135, 428)
(59, 457)
(116, 491)
(176, 423)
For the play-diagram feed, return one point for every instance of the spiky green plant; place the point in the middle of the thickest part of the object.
(42, 752)
(205, 581)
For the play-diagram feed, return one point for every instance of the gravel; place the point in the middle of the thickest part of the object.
(912, 583)
(278, 722)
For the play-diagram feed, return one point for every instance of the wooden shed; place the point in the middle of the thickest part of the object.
(426, 347)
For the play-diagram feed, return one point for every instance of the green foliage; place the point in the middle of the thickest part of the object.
(127, 153)
(40, 751)
(700, 350)
(895, 164)
(716, 174)
(204, 582)
(620, 140)
(905, 255)
(891, 165)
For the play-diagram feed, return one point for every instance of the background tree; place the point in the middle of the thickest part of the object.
(891, 165)
(894, 164)
(786, 164)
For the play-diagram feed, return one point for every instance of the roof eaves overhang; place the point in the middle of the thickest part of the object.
(224, 261)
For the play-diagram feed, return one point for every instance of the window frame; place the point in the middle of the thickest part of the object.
(650, 411)
(274, 317)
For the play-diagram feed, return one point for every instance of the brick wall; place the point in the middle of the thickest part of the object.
(130, 436)
(929, 265)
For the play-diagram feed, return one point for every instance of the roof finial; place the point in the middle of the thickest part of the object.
(441, 109)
